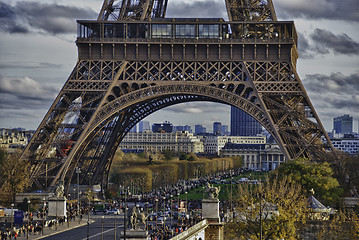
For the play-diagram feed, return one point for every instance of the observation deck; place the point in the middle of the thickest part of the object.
(179, 39)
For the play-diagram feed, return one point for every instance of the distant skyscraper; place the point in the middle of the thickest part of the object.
(198, 129)
(217, 128)
(224, 130)
(134, 129)
(183, 128)
(143, 125)
(343, 124)
(243, 124)
(162, 127)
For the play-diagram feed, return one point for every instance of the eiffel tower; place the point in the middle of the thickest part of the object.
(132, 61)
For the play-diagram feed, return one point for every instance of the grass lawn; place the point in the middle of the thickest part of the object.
(225, 193)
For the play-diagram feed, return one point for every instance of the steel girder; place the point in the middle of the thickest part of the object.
(250, 10)
(107, 94)
(116, 10)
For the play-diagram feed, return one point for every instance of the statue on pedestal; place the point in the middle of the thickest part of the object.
(213, 192)
(136, 217)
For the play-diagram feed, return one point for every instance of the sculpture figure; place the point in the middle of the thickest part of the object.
(213, 192)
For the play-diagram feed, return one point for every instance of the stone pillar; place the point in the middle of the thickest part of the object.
(135, 234)
(57, 207)
(210, 212)
(210, 209)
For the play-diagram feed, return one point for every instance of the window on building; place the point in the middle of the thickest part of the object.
(185, 31)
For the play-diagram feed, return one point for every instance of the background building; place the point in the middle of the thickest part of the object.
(346, 144)
(225, 130)
(16, 138)
(183, 128)
(243, 124)
(199, 129)
(343, 124)
(217, 128)
(162, 127)
(255, 156)
(214, 144)
(134, 129)
(143, 126)
(159, 141)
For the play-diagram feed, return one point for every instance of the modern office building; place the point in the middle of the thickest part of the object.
(217, 128)
(243, 124)
(199, 129)
(182, 141)
(134, 129)
(225, 130)
(143, 126)
(183, 128)
(343, 124)
(162, 127)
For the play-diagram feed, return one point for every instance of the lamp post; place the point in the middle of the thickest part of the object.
(156, 200)
(164, 212)
(102, 227)
(115, 225)
(89, 204)
(146, 204)
(28, 219)
(12, 218)
(186, 203)
(171, 216)
(43, 218)
(125, 215)
(178, 205)
(56, 217)
(78, 171)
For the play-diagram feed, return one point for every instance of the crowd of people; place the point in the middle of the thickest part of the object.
(165, 198)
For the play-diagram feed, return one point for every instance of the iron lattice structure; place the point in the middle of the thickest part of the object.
(133, 62)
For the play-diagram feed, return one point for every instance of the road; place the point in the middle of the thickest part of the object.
(95, 229)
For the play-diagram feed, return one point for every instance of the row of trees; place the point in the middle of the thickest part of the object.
(149, 171)
(278, 208)
(14, 176)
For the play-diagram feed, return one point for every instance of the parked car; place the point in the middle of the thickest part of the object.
(112, 211)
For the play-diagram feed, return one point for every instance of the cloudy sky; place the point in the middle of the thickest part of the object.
(37, 54)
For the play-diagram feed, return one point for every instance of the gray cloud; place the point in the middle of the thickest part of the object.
(347, 10)
(26, 17)
(339, 44)
(25, 88)
(201, 9)
(322, 42)
(334, 92)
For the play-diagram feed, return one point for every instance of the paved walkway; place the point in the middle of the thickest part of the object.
(52, 231)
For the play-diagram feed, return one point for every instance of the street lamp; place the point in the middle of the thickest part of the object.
(28, 219)
(78, 171)
(89, 204)
(186, 203)
(43, 218)
(146, 204)
(178, 205)
(171, 216)
(102, 227)
(156, 200)
(164, 212)
(12, 218)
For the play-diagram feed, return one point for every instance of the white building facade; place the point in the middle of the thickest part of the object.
(214, 144)
(181, 141)
(265, 157)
